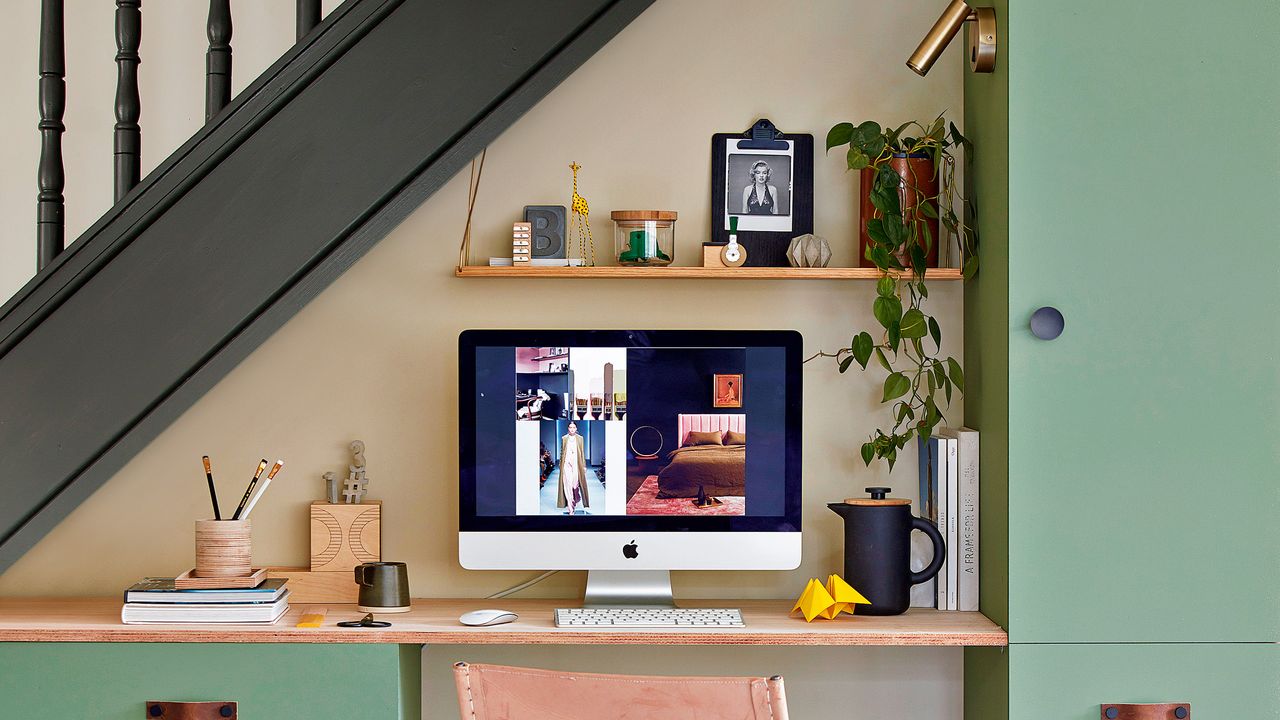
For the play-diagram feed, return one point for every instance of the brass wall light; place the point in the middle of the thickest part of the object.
(982, 38)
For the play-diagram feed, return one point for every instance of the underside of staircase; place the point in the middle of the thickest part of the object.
(308, 168)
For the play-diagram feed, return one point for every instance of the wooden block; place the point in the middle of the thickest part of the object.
(343, 535)
(189, 581)
(307, 587)
(711, 256)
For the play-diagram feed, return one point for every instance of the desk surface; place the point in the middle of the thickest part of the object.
(436, 622)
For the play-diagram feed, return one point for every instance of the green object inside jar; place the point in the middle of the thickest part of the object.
(642, 247)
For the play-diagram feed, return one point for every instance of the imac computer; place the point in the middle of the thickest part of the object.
(629, 454)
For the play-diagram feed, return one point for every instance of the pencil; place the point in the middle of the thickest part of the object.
(262, 488)
(213, 493)
(247, 491)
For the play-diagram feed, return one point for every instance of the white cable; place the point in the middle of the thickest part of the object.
(522, 586)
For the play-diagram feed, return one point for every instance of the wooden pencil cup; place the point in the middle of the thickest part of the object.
(224, 548)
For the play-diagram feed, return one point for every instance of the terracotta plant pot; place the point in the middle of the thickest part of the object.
(918, 181)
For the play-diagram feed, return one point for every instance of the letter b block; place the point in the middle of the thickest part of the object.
(548, 230)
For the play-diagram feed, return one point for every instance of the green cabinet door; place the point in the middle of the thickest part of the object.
(278, 681)
(1144, 442)
(1072, 682)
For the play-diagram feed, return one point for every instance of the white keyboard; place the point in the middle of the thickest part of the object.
(648, 617)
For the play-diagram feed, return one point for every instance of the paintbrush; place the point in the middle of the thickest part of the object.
(263, 488)
(249, 490)
(213, 493)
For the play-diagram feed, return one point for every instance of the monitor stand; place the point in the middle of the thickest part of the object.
(628, 588)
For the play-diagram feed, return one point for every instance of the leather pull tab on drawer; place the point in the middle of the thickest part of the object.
(163, 710)
(1147, 711)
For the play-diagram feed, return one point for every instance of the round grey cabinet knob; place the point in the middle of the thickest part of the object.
(1047, 323)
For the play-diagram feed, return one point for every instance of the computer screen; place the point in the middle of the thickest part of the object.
(627, 433)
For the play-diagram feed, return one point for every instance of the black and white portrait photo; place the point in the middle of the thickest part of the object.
(763, 184)
(758, 187)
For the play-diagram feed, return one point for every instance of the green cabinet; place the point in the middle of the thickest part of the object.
(279, 681)
(1143, 442)
(1129, 467)
(1227, 681)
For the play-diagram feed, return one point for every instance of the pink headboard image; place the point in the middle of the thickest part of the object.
(707, 422)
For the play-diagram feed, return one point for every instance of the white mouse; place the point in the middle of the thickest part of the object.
(487, 617)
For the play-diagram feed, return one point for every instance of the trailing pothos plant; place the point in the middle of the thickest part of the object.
(899, 244)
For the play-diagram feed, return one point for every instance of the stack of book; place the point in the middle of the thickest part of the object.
(157, 600)
(949, 498)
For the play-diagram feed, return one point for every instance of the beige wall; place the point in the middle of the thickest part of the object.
(373, 356)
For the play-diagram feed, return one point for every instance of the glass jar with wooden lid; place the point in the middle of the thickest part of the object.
(644, 237)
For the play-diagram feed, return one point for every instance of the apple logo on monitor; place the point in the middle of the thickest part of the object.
(629, 551)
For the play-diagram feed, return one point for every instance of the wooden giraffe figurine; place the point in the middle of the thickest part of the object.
(580, 222)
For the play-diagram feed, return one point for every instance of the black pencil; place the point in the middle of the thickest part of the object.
(249, 490)
(213, 494)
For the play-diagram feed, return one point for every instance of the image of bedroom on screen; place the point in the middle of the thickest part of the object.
(571, 467)
(543, 383)
(687, 431)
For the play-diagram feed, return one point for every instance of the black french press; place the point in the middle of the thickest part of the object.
(877, 550)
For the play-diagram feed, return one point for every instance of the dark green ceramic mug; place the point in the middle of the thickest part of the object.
(384, 587)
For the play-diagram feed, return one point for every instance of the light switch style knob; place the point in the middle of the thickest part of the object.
(1047, 323)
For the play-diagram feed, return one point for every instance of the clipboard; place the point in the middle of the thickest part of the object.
(768, 223)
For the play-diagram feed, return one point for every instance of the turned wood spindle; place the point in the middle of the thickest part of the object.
(50, 219)
(128, 140)
(308, 16)
(217, 75)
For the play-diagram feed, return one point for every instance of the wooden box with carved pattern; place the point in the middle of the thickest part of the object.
(344, 535)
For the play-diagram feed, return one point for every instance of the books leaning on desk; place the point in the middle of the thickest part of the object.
(949, 498)
(156, 600)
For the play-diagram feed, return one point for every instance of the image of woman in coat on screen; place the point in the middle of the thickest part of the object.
(573, 472)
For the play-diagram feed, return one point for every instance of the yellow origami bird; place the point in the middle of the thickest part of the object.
(813, 601)
(843, 597)
(828, 601)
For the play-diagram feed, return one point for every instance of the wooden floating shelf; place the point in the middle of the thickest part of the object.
(685, 272)
(768, 622)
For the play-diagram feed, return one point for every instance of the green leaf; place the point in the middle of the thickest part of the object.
(913, 324)
(891, 456)
(866, 132)
(918, 260)
(886, 286)
(894, 336)
(868, 452)
(901, 440)
(839, 134)
(970, 267)
(862, 345)
(888, 310)
(928, 210)
(881, 258)
(947, 386)
(845, 363)
(875, 230)
(874, 147)
(884, 361)
(937, 375)
(935, 332)
(957, 375)
(902, 411)
(857, 159)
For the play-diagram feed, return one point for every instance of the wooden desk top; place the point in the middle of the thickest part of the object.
(436, 622)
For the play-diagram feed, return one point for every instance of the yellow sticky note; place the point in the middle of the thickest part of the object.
(312, 617)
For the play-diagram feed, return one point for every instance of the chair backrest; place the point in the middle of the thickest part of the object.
(497, 692)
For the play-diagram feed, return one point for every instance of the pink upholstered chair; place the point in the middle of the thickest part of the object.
(497, 692)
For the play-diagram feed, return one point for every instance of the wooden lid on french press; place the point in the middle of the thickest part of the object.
(877, 498)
